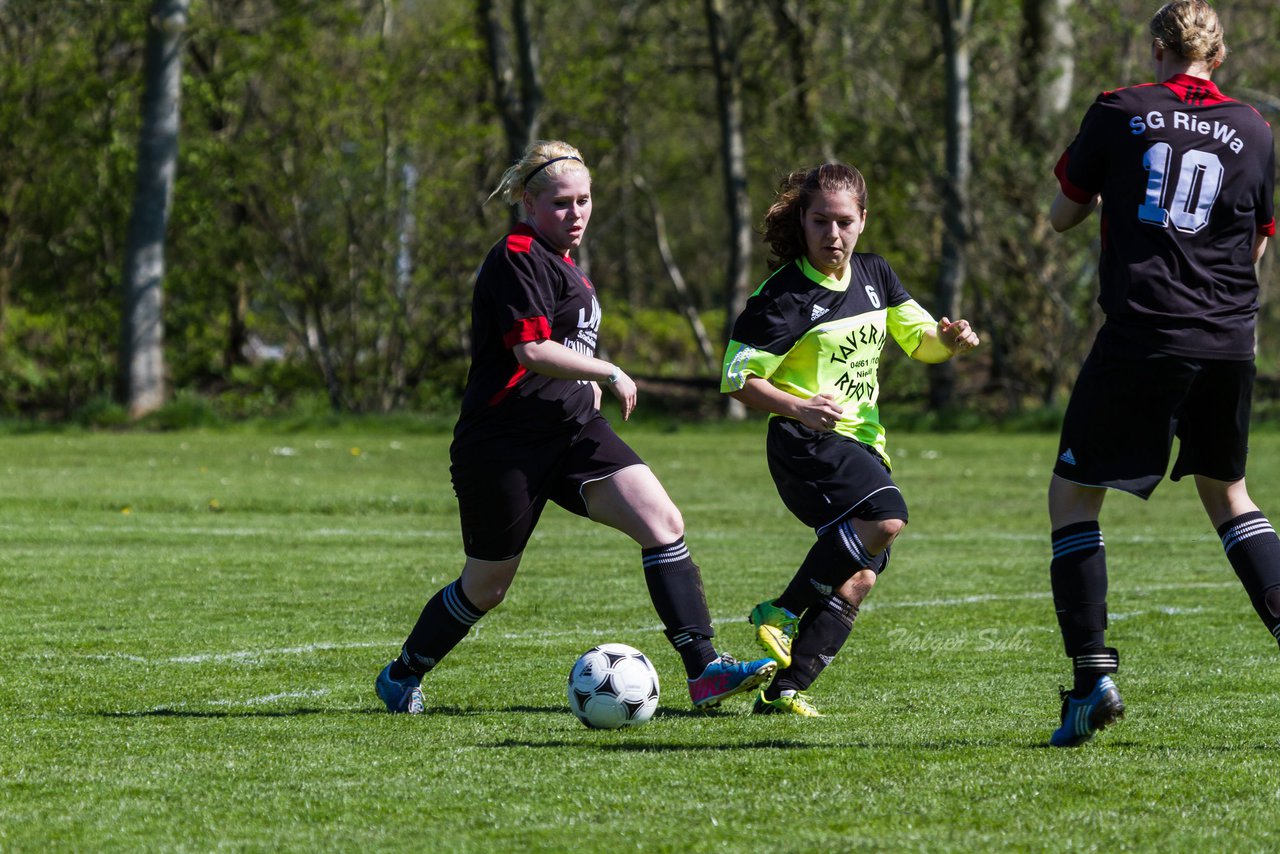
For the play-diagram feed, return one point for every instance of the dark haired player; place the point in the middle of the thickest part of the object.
(531, 431)
(1185, 176)
(806, 349)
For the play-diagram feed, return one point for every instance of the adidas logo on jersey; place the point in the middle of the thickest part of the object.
(817, 312)
(1068, 457)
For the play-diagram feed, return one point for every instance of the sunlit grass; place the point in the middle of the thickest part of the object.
(192, 622)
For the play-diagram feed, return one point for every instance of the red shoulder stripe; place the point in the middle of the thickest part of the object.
(527, 329)
(519, 242)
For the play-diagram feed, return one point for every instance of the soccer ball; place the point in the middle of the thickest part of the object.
(613, 685)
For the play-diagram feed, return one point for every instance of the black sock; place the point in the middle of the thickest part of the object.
(822, 632)
(832, 560)
(1253, 549)
(675, 587)
(1078, 575)
(444, 622)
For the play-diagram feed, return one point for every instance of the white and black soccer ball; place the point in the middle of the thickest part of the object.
(613, 685)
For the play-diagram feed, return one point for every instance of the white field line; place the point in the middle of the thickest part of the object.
(320, 533)
(271, 698)
(253, 656)
(451, 532)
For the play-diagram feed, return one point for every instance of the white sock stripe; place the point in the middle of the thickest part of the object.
(853, 545)
(1275, 630)
(1105, 660)
(673, 554)
(453, 604)
(1244, 531)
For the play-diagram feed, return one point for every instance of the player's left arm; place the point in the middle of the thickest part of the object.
(1259, 247)
(945, 340)
(923, 338)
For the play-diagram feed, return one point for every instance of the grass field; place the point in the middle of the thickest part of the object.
(191, 624)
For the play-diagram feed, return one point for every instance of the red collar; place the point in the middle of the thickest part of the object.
(1194, 90)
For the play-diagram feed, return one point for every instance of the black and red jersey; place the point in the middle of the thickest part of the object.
(1186, 176)
(526, 291)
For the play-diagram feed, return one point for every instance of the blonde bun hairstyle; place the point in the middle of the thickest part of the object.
(1191, 29)
(543, 160)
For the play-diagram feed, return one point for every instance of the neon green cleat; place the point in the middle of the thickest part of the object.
(775, 629)
(789, 703)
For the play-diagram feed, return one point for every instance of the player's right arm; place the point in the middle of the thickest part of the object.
(819, 412)
(1259, 247)
(1081, 167)
(1065, 213)
(553, 359)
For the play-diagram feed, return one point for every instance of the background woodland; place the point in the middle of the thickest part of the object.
(317, 210)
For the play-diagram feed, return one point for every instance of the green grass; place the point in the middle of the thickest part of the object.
(190, 625)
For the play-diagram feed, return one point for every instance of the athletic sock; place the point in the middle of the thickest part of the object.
(444, 622)
(675, 588)
(832, 560)
(823, 631)
(1253, 550)
(1078, 575)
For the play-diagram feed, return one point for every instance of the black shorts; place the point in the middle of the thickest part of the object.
(503, 485)
(823, 477)
(1125, 412)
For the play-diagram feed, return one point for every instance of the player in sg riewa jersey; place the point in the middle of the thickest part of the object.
(1184, 176)
(531, 431)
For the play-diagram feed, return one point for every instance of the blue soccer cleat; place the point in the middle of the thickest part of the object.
(1082, 718)
(726, 676)
(403, 696)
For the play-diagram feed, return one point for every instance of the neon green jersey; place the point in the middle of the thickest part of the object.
(808, 333)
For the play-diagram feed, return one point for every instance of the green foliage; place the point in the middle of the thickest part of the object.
(335, 158)
(194, 620)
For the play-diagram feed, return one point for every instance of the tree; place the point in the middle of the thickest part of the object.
(955, 18)
(1046, 68)
(733, 167)
(517, 84)
(142, 384)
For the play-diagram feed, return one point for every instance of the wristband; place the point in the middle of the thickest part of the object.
(615, 376)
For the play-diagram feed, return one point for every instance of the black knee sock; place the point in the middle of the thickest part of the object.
(1253, 549)
(444, 622)
(675, 587)
(823, 631)
(831, 561)
(1078, 575)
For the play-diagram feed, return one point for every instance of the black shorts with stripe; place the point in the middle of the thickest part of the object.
(1125, 411)
(504, 482)
(824, 477)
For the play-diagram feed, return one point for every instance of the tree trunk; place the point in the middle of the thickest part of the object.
(954, 18)
(1046, 68)
(791, 21)
(733, 160)
(142, 387)
(710, 358)
(518, 95)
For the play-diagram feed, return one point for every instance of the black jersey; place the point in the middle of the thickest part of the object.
(1186, 176)
(808, 333)
(526, 291)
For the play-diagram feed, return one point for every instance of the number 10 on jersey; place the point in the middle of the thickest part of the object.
(1198, 182)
